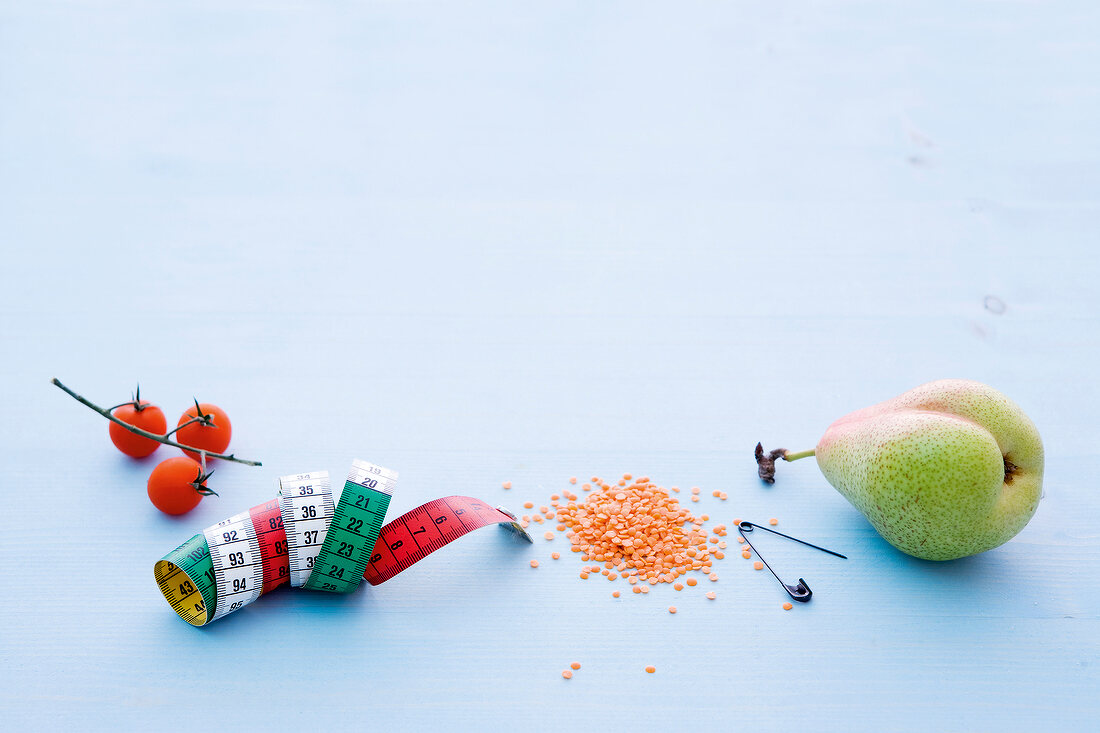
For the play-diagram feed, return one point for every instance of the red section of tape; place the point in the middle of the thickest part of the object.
(401, 543)
(268, 523)
(417, 534)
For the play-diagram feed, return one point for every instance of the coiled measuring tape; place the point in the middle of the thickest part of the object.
(308, 539)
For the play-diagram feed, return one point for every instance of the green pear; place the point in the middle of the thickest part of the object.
(946, 470)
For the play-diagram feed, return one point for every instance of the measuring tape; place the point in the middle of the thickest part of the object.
(304, 530)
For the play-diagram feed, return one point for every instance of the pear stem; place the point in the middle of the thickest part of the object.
(765, 462)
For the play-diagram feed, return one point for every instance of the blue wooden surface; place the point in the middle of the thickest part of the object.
(523, 242)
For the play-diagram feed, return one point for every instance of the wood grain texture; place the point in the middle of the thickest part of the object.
(488, 243)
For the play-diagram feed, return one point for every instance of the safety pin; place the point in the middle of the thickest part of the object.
(800, 592)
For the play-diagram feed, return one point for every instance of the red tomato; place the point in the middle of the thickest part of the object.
(146, 416)
(176, 485)
(212, 438)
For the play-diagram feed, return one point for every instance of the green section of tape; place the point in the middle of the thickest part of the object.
(193, 558)
(343, 559)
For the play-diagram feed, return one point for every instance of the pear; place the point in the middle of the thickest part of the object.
(948, 469)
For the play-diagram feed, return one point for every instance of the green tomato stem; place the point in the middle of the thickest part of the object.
(152, 436)
(192, 421)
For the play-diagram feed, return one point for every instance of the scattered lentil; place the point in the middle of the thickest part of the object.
(507, 484)
(712, 595)
(567, 674)
(555, 555)
(651, 669)
(549, 535)
(787, 606)
(534, 563)
(758, 565)
(672, 609)
(773, 521)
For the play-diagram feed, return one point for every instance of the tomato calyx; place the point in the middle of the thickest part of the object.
(203, 418)
(134, 402)
(206, 418)
(199, 484)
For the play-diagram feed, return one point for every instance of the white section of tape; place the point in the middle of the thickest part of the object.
(306, 504)
(238, 566)
(372, 476)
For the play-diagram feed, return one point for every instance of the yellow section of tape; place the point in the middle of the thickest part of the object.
(181, 592)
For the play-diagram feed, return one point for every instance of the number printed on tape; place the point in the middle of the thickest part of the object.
(305, 500)
(238, 566)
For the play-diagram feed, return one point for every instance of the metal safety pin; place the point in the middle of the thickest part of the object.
(800, 592)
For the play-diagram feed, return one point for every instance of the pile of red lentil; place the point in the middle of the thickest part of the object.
(634, 529)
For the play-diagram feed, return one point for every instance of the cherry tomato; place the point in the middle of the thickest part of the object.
(213, 438)
(176, 485)
(146, 416)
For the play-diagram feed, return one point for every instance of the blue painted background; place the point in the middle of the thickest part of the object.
(486, 241)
